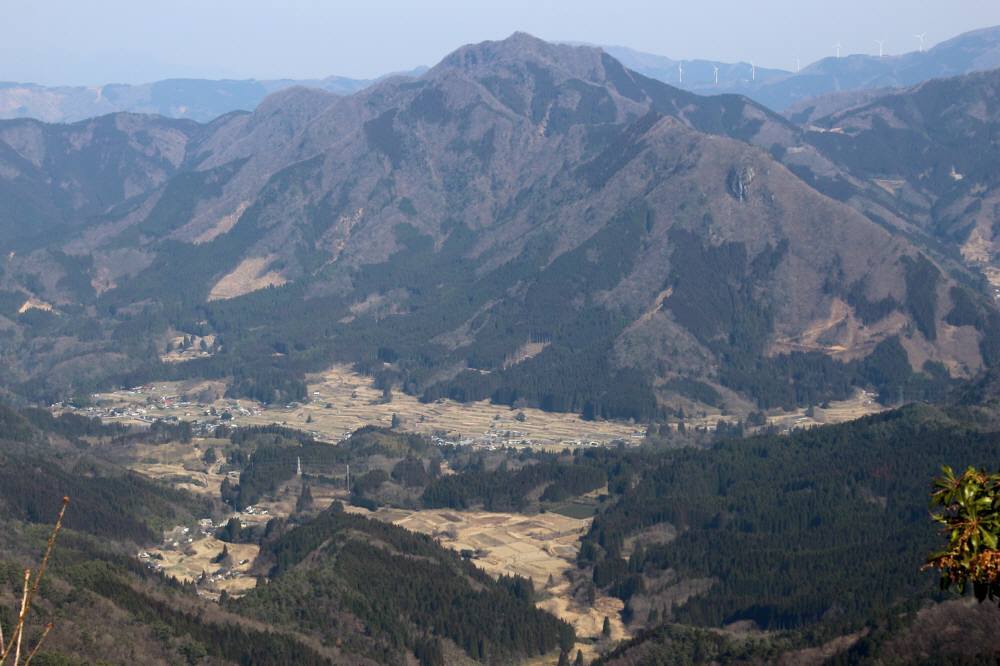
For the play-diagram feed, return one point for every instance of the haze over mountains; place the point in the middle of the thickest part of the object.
(204, 100)
(648, 245)
(974, 51)
(197, 99)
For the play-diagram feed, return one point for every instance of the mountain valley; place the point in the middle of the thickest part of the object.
(526, 357)
(558, 159)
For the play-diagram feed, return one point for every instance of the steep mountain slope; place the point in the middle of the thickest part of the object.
(340, 588)
(195, 99)
(518, 191)
(928, 155)
(404, 588)
(54, 176)
(932, 150)
(767, 522)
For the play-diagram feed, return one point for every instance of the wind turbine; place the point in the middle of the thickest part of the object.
(881, 43)
(837, 46)
(798, 66)
(921, 38)
(680, 73)
(753, 71)
(716, 68)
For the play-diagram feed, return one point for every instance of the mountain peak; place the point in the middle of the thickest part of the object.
(519, 48)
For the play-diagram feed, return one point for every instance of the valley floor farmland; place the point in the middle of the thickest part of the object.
(340, 401)
(542, 547)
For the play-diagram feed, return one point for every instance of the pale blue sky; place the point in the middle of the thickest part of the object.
(101, 41)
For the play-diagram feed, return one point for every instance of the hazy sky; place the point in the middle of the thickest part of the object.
(100, 41)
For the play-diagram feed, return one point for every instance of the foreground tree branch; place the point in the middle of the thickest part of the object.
(27, 597)
(970, 518)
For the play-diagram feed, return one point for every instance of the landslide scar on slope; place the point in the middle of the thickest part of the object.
(222, 226)
(250, 275)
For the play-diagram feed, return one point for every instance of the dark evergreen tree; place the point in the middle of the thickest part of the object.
(305, 501)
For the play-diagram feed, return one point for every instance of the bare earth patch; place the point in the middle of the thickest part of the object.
(524, 352)
(222, 226)
(250, 275)
(34, 304)
(178, 355)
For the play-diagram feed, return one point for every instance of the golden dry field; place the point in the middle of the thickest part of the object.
(340, 401)
(181, 465)
(192, 556)
(536, 546)
(862, 403)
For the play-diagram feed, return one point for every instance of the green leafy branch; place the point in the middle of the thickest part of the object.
(969, 513)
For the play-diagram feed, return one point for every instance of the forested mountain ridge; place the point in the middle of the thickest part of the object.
(766, 549)
(929, 153)
(517, 192)
(58, 178)
(819, 534)
(335, 588)
(405, 588)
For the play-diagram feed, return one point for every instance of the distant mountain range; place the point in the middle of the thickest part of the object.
(781, 90)
(974, 51)
(197, 99)
(525, 222)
